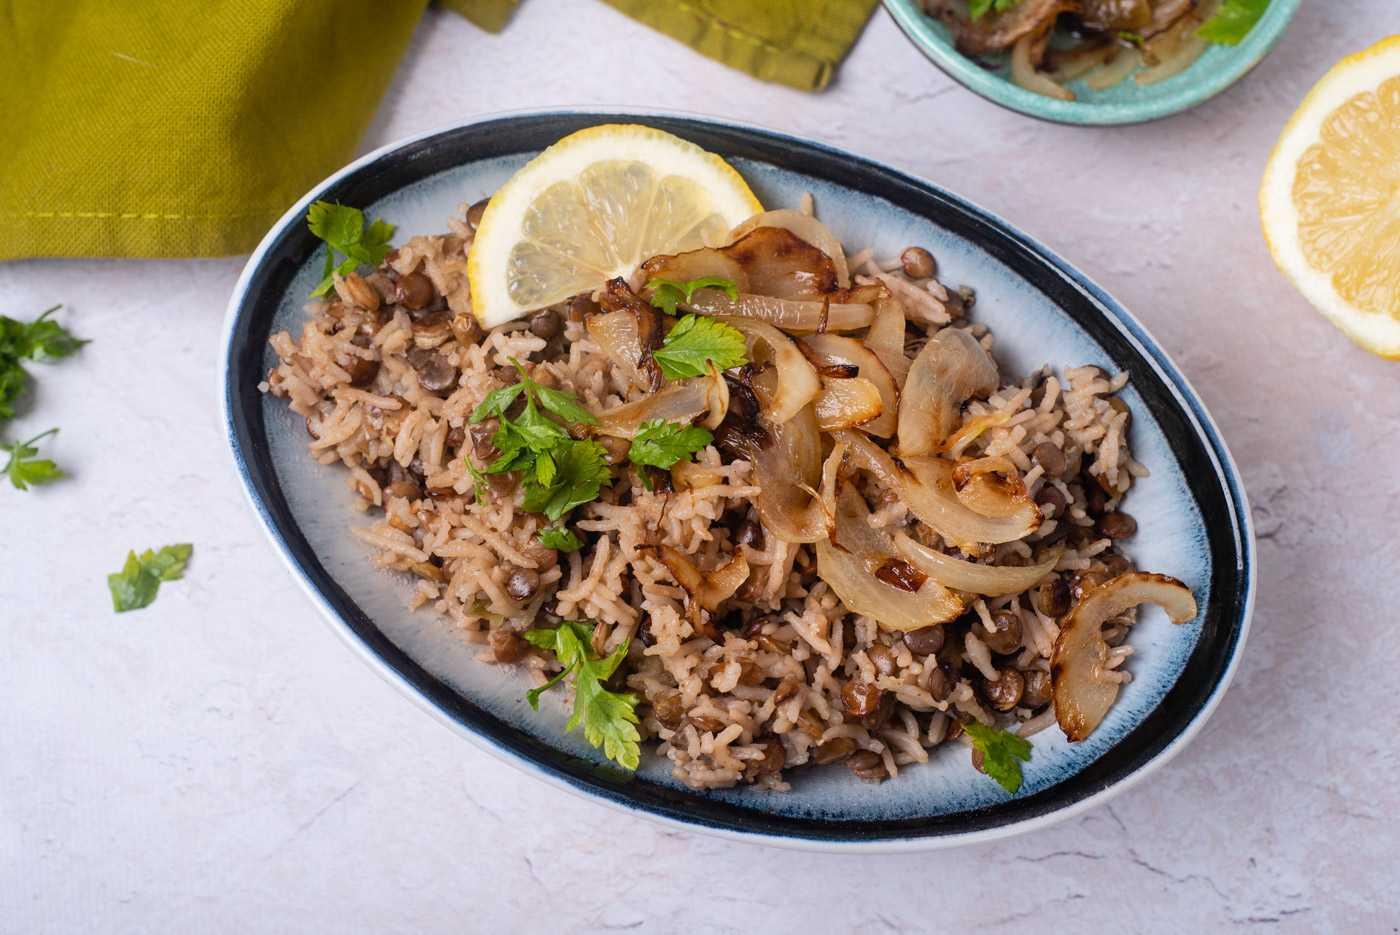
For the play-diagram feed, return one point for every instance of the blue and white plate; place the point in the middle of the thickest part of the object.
(1192, 514)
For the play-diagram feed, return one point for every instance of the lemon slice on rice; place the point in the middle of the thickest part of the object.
(594, 206)
(1330, 199)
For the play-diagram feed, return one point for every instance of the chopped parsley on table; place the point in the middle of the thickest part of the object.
(42, 339)
(609, 718)
(137, 584)
(557, 471)
(24, 468)
(666, 294)
(1002, 753)
(694, 343)
(344, 232)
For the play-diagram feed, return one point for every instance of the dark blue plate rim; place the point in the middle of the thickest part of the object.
(1196, 442)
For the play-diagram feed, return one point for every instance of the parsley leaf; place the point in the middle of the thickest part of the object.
(581, 469)
(136, 585)
(1232, 21)
(609, 718)
(694, 342)
(343, 230)
(1001, 751)
(561, 538)
(557, 472)
(24, 469)
(980, 8)
(662, 444)
(41, 339)
(666, 294)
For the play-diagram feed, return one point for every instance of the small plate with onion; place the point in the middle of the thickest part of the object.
(1094, 62)
(1197, 539)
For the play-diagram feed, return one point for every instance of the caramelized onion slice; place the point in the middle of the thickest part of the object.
(952, 368)
(834, 350)
(992, 486)
(926, 488)
(619, 338)
(1084, 688)
(990, 580)
(806, 228)
(787, 465)
(886, 338)
(846, 402)
(709, 589)
(1025, 74)
(678, 402)
(850, 560)
(798, 316)
(779, 263)
(695, 264)
(796, 383)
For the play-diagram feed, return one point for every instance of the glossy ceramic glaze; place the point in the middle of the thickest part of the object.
(1191, 511)
(1126, 102)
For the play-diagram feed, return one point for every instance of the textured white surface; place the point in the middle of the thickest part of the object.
(220, 762)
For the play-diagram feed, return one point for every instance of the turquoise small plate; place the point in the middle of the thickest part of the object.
(1127, 102)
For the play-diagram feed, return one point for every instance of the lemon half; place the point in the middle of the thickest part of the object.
(1330, 199)
(594, 206)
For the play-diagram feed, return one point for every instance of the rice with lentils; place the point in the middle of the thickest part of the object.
(778, 673)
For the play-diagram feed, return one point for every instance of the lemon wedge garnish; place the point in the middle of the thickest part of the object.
(592, 207)
(1330, 199)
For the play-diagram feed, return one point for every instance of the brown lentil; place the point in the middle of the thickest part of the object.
(1006, 638)
(925, 641)
(475, 212)
(1005, 693)
(1051, 597)
(669, 710)
(416, 291)
(522, 583)
(918, 263)
(868, 765)
(837, 748)
(750, 534)
(1037, 691)
(506, 646)
(546, 324)
(881, 658)
(1117, 525)
(1050, 457)
(860, 698)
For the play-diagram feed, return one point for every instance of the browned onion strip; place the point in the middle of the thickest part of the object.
(927, 490)
(796, 384)
(793, 315)
(716, 398)
(1113, 71)
(709, 589)
(848, 563)
(886, 339)
(955, 520)
(846, 402)
(990, 580)
(678, 402)
(786, 470)
(968, 432)
(832, 350)
(951, 369)
(1083, 688)
(1172, 52)
(991, 486)
(805, 228)
(781, 264)
(695, 264)
(1025, 75)
(618, 337)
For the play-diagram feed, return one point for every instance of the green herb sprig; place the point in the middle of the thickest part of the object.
(1002, 753)
(1232, 21)
(666, 294)
(24, 468)
(694, 343)
(609, 718)
(344, 232)
(557, 471)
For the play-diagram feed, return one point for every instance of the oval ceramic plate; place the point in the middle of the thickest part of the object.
(1126, 102)
(1191, 510)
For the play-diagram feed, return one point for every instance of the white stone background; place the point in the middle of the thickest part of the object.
(220, 762)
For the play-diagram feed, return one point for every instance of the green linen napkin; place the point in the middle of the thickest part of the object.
(175, 128)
